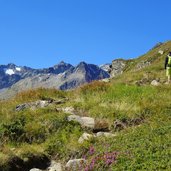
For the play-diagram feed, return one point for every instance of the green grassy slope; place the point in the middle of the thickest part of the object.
(144, 143)
(154, 71)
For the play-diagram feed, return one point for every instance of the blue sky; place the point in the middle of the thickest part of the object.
(41, 33)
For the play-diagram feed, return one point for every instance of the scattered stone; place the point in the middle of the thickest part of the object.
(161, 52)
(105, 134)
(85, 137)
(155, 83)
(142, 65)
(75, 164)
(60, 101)
(69, 110)
(118, 125)
(84, 121)
(88, 122)
(38, 104)
(106, 80)
(74, 118)
(35, 169)
(55, 166)
(22, 107)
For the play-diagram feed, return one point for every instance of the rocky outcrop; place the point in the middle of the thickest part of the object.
(117, 67)
(142, 65)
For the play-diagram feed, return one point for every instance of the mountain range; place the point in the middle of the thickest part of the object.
(14, 79)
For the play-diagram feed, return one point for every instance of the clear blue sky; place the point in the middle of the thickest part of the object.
(41, 33)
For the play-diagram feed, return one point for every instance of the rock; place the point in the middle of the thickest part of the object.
(35, 169)
(74, 118)
(75, 164)
(155, 83)
(21, 107)
(85, 137)
(60, 101)
(55, 166)
(161, 52)
(142, 65)
(105, 134)
(117, 67)
(33, 105)
(106, 80)
(40, 103)
(69, 110)
(87, 122)
(119, 125)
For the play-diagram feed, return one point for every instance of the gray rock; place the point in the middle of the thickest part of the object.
(33, 105)
(85, 137)
(69, 110)
(106, 80)
(35, 169)
(117, 67)
(87, 122)
(74, 118)
(105, 134)
(22, 106)
(75, 164)
(161, 52)
(55, 166)
(155, 83)
(118, 125)
(142, 65)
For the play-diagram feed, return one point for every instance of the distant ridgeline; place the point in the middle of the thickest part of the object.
(61, 76)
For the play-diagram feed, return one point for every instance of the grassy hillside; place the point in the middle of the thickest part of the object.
(142, 142)
(153, 63)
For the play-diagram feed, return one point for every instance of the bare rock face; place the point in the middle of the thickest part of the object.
(117, 67)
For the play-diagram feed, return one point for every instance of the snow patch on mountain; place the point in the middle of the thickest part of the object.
(18, 69)
(10, 71)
